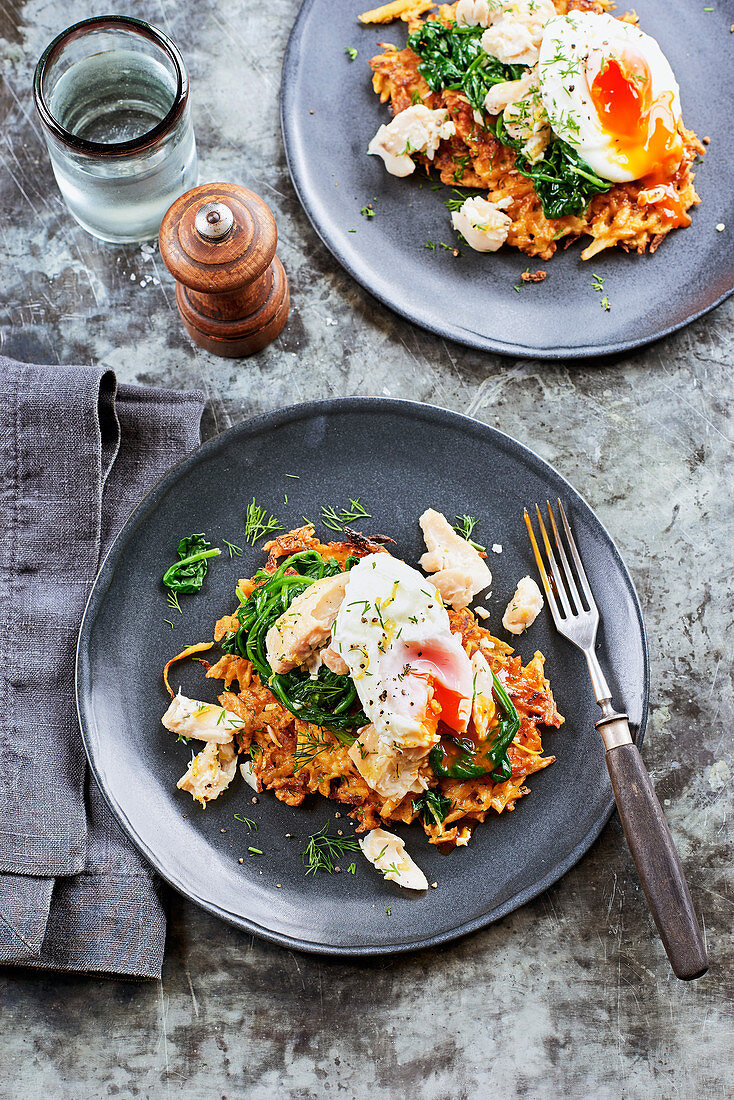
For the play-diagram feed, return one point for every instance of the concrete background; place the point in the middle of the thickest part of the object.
(571, 995)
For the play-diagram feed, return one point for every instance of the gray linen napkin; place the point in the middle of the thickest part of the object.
(77, 452)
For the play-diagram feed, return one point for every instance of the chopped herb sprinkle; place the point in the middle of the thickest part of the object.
(258, 524)
(464, 526)
(323, 850)
(335, 519)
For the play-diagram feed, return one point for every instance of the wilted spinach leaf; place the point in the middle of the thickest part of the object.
(187, 575)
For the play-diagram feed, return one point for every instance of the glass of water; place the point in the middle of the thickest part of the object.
(112, 94)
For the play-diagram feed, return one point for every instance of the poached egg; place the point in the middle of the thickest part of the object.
(409, 670)
(610, 93)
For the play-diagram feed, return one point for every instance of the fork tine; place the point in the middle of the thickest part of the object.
(568, 575)
(555, 571)
(577, 558)
(541, 567)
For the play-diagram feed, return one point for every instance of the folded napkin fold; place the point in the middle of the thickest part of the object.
(77, 453)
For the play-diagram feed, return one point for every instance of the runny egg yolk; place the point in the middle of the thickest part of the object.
(428, 663)
(643, 128)
(450, 703)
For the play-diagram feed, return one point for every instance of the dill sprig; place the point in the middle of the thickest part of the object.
(335, 519)
(309, 746)
(173, 602)
(248, 821)
(234, 551)
(257, 526)
(464, 526)
(323, 849)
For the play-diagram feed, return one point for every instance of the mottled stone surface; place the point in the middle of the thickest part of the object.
(570, 996)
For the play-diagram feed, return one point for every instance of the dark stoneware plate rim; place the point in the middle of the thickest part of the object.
(384, 286)
(219, 445)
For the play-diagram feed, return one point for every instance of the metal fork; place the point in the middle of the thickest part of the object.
(642, 818)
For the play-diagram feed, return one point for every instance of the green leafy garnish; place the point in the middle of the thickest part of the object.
(329, 700)
(323, 849)
(367, 211)
(452, 57)
(257, 526)
(187, 575)
(350, 52)
(432, 807)
(248, 821)
(564, 183)
(234, 551)
(335, 519)
(464, 526)
(352, 868)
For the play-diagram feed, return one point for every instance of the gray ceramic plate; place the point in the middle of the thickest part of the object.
(399, 457)
(329, 113)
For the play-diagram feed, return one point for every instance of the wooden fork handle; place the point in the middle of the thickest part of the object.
(657, 862)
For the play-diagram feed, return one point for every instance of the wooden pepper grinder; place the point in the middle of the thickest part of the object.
(218, 241)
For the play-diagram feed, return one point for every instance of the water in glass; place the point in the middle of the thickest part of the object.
(115, 96)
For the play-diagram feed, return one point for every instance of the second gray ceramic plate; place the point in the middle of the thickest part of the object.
(329, 113)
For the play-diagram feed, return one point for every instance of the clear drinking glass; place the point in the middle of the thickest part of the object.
(112, 94)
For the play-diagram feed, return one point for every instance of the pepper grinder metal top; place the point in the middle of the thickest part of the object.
(218, 241)
(213, 221)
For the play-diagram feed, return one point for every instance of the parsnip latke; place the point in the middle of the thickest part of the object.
(562, 121)
(349, 673)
